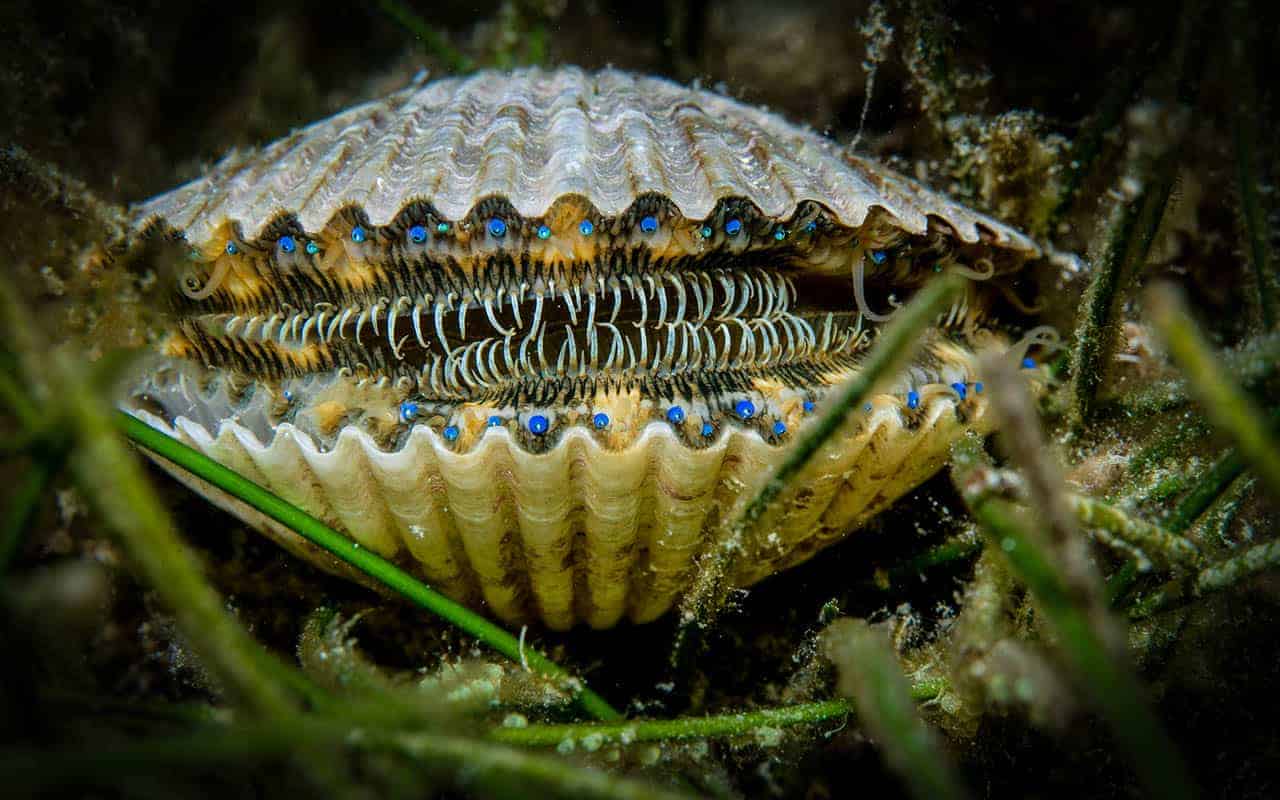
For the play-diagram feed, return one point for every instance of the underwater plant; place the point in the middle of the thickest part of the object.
(1046, 592)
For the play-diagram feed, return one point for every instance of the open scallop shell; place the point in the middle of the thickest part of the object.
(580, 532)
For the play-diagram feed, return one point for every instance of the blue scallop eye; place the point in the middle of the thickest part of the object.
(960, 390)
(1028, 363)
(978, 387)
(231, 248)
(586, 228)
(779, 428)
(811, 226)
(733, 227)
(600, 420)
(649, 224)
(450, 433)
(745, 409)
(495, 421)
(497, 228)
(866, 407)
(706, 231)
(544, 232)
(879, 256)
(287, 244)
(780, 234)
(417, 234)
(442, 227)
(708, 429)
(913, 399)
(808, 406)
(358, 234)
(675, 415)
(408, 410)
(538, 424)
(312, 248)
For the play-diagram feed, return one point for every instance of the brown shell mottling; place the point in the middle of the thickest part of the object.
(534, 136)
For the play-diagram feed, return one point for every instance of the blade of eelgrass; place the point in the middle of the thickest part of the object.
(11, 395)
(1161, 545)
(1244, 120)
(960, 547)
(113, 481)
(1133, 224)
(714, 726)
(1130, 232)
(871, 676)
(1223, 402)
(892, 348)
(1206, 489)
(1114, 689)
(470, 764)
(378, 568)
(1020, 435)
(1051, 558)
(22, 505)
(1210, 580)
(432, 41)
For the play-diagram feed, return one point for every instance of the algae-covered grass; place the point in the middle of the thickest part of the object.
(1114, 559)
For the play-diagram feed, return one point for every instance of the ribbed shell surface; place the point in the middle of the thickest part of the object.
(581, 533)
(598, 526)
(535, 136)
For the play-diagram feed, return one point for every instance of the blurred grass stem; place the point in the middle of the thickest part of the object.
(899, 341)
(1244, 120)
(113, 481)
(1223, 402)
(1047, 554)
(433, 41)
(871, 676)
(471, 763)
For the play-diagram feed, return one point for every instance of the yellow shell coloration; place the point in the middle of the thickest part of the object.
(537, 335)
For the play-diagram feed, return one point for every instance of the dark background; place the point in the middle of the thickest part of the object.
(133, 99)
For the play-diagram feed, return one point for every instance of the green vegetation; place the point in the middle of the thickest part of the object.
(1112, 518)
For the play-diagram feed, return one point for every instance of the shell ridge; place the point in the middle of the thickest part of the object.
(475, 503)
(284, 467)
(436, 542)
(353, 494)
(535, 123)
(379, 163)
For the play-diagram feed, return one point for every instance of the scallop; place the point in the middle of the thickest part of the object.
(539, 335)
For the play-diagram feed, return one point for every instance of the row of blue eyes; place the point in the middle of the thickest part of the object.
(538, 424)
(497, 228)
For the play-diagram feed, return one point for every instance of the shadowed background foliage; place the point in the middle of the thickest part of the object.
(103, 104)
